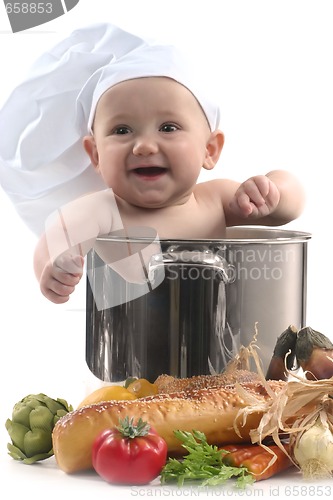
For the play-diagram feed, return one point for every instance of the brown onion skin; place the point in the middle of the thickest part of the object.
(314, 354)
(319, 366)
(283, 355)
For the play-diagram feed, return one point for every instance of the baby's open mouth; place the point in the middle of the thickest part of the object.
(149, 171)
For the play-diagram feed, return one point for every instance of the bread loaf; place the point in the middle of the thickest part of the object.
(212, 411)
(168, 384)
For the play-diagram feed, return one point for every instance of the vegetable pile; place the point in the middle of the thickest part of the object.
(297, 422)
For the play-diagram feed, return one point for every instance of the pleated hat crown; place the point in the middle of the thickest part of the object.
(43, 164)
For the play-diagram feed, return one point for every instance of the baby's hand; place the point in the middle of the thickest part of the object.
(255, 198)
(59, 278)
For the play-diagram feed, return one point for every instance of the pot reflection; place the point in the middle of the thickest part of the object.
(208, 297)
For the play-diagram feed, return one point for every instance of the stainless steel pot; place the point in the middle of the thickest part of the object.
(198, 303)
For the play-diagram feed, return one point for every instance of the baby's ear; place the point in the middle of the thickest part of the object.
(213, 149)
(89, 145)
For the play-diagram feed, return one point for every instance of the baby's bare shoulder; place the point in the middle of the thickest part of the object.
(212, 189)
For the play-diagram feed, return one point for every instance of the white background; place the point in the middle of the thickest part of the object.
(270, 63)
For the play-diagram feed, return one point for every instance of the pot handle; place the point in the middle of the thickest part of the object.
(200, 258)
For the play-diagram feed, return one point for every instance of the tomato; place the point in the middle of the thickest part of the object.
(129, 454)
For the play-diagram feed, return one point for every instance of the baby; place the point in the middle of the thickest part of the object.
(149, 131)
(150, 139)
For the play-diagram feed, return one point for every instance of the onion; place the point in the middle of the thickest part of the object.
(312, 449)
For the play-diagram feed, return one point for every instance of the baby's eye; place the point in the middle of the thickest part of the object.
(121, 130)
(168, 127)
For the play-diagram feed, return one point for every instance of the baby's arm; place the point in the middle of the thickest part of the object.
(273, 199)
(70, 233)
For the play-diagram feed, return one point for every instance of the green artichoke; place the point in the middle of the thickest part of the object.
(31, 427)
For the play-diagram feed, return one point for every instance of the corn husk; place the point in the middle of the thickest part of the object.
(290, 411)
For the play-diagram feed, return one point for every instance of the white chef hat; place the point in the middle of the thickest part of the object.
(43, 164)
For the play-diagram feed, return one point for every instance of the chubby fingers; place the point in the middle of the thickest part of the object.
(57, 284)
(257, 189)
(257, 196)
(70, 264)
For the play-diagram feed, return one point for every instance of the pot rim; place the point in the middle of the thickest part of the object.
(236, 234)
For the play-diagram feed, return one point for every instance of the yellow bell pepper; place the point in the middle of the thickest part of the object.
(142, 388)
(107, 393)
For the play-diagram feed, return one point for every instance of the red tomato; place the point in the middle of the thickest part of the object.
(129, 454)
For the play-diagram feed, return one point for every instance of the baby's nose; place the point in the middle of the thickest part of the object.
(145, 145)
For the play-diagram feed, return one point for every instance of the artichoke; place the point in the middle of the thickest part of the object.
(31, 427)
